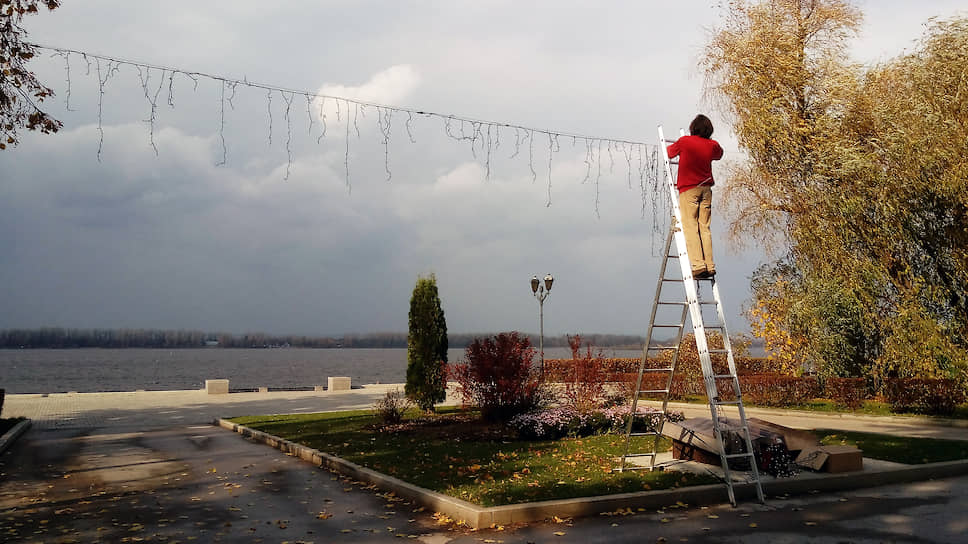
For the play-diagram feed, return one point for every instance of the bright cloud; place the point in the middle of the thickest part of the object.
(390, 86)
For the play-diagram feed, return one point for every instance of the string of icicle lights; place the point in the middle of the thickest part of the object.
(483, 137)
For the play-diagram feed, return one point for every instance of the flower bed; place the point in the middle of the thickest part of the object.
(458, 454)
(558, 422)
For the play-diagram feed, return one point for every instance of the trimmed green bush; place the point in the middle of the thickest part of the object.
(777, 390)
(426, 346)
(923, 396)
(847, 392)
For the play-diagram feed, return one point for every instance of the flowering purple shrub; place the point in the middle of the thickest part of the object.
(566, 421)
(646, 417)
(546, 424)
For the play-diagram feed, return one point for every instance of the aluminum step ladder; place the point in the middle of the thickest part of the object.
(674, 319)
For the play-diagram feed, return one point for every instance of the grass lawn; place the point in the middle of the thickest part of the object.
(456, 454)
(899, 449)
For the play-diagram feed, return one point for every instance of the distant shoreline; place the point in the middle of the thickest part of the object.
(165, 369)
(68, 338)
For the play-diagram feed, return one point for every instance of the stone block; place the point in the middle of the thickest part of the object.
(339, 383)
(217, 387)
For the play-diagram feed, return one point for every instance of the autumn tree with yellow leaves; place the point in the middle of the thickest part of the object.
(856, 182)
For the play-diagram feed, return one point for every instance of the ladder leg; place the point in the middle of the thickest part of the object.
(645, 358)
(731, 365)
(694, 308)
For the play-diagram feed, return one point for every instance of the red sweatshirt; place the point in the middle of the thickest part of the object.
(696, 155)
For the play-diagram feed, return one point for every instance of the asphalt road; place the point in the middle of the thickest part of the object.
(149, 467)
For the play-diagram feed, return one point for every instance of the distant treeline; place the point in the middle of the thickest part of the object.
(62, 338)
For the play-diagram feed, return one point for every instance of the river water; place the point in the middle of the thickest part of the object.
(91, 370)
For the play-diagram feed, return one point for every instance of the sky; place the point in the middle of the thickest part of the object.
(214, 210)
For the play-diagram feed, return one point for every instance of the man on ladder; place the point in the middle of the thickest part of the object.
(689, 229)
(696, 153)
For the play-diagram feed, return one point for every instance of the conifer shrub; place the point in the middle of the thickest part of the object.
(426, 346)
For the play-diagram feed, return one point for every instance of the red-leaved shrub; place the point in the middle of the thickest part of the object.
(847, 392)
(498, 376)
(777, 390)
(559, 370)
(923, 396)
(754, 365)
(585, 379)
(652, 381)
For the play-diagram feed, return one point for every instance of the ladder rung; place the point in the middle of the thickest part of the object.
(669, 369)
(669, 325)
(653, 391)
(630, 468)
(647, 433)
(640, 454)
(675, 232)
(667, 348)
(738, 455)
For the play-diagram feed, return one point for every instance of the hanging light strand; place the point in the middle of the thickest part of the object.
(476, 132)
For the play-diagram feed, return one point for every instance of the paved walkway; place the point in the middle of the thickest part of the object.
(148, 466)
(153, 409)
(923, 427)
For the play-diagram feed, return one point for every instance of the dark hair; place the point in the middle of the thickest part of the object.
(701, 126)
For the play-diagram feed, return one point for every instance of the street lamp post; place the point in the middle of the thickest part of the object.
(541, 292)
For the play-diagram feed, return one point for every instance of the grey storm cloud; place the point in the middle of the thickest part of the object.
(303, 232)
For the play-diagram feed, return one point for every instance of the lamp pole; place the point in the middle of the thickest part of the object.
(541, 292)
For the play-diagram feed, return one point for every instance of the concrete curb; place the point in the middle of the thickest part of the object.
(480, 517)
(13, 434)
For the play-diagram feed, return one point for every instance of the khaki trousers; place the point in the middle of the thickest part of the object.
(696, 207)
